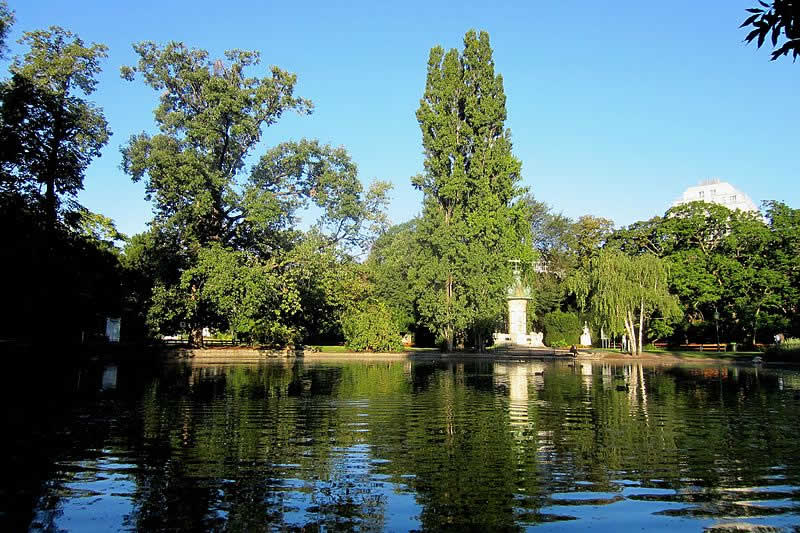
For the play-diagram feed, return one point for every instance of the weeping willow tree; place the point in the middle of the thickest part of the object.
(624, 291)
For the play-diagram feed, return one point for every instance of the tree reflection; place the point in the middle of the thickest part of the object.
(426, 445)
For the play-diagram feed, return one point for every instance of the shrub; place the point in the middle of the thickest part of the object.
(371, 327)
(788, 350)
(561, 329)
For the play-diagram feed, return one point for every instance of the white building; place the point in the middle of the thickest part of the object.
(717, 192)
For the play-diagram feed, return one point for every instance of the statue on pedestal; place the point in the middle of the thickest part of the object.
(586, 336)
(537, 339)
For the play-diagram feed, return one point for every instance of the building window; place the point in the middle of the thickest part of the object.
(733, 198)
(713, 192)
(701, 194)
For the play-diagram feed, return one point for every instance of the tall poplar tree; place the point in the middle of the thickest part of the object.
(473, 221)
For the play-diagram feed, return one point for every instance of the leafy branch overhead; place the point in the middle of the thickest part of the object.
(781, 20)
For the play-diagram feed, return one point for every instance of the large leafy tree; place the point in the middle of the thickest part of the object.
(784, 251)
(473, 221)
(391, 262)
(623, 292)
(61, 257)
(210, 117)
(50, 132)
(554, 241)
(590, 234)
(244, 262)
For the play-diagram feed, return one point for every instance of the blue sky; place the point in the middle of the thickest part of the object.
(614, 108)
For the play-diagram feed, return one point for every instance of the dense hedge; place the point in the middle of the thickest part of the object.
(788, 350)
(371, 327)
(561, 329)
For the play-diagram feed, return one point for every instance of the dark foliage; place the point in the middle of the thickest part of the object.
(60, 285)
(775, 22)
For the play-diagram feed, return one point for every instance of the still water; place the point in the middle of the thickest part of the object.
(402, 445)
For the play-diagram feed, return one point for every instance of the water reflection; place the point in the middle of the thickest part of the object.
(423, 445)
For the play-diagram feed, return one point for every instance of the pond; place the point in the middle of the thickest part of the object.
(402, 445)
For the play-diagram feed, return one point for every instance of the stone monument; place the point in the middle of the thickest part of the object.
(518, 297)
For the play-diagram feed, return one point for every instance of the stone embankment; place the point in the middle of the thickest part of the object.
(255, 355)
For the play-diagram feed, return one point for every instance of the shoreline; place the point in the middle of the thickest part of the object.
(254, 355)
(224, 355)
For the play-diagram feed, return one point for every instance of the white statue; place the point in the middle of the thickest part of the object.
(536, 339)
(624, 343)
(586, 337)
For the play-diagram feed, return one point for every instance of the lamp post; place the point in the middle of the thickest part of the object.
(716, 324)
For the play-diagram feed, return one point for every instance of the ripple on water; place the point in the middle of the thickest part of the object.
(434, 446)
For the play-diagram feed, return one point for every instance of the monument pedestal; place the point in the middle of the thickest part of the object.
(518, 320)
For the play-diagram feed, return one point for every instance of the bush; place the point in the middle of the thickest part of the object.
(561, 329)
(371, 327)
(788, 350)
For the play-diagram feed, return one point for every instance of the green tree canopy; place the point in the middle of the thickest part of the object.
(623, 291)
(391, 261)
(50, 132)
(245, 265)
(473, 219)
(730, 262)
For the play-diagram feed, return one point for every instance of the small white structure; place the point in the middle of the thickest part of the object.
(586, 336)
(109, 379)
(717, 192)
(112, 329)
(537, 339)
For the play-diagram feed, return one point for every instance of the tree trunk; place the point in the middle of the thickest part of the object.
(630, 327)
(196, 337)
(641, 323)
(450, 333)
(755, 326)
(50, 204)
(195, 332)
(48, 176)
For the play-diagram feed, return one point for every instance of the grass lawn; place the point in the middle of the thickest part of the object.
(692, 354)
(331, 349)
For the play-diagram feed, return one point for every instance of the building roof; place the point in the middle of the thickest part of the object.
(717, 192)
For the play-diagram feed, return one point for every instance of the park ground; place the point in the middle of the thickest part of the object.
(592, 353)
